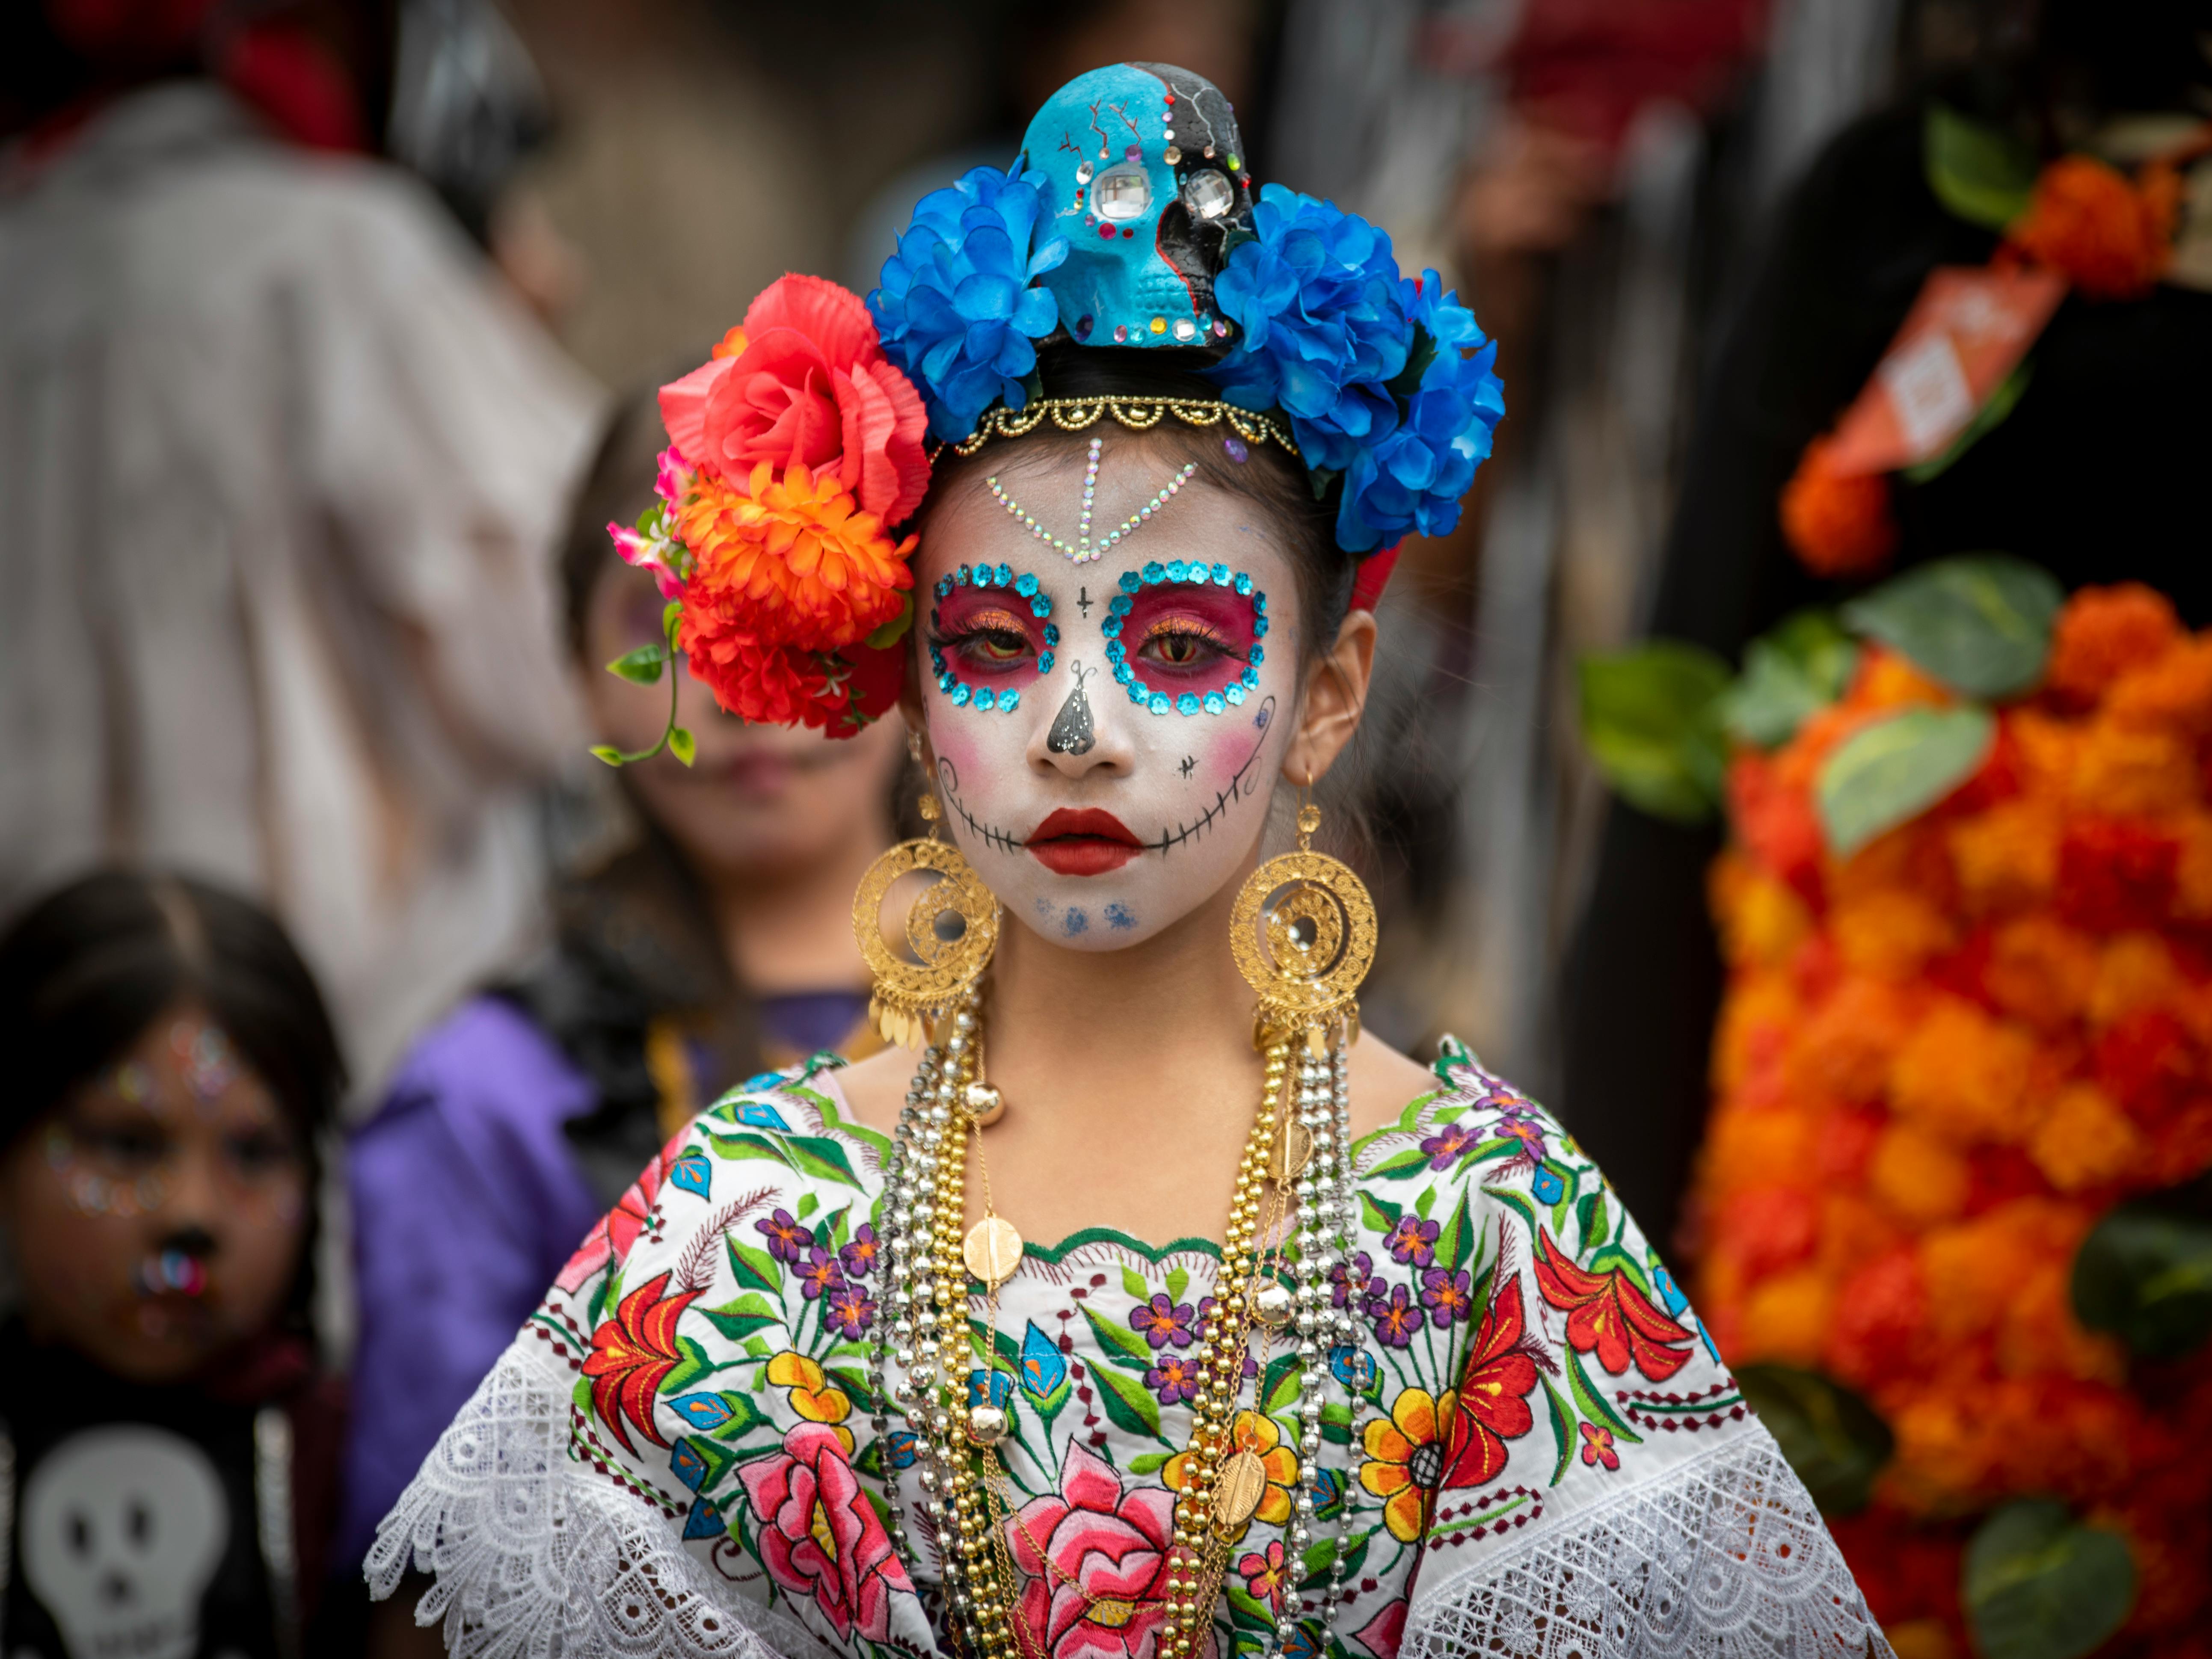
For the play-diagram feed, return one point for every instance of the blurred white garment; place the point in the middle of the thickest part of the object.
(281, 471)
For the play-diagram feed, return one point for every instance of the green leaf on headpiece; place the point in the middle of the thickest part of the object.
(1422, 353)
(642, 666)
(607, 752)
(894, 630)
(671, 614)
(683, 745)
(1321, 478)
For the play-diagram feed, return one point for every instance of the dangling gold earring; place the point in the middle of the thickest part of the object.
(1308, 951)
(952, 927)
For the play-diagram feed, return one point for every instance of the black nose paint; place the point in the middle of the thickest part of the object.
(1072, 732)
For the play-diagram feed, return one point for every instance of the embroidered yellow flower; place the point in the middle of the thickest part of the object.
(1406, 1459)
(813, 1397)
(1254, 1433)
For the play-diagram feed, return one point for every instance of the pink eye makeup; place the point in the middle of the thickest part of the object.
(1185, 637)
(990, 634)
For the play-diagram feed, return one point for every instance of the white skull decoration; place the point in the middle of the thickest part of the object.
(122, 1529)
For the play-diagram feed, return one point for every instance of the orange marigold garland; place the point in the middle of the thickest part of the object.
(1945, 1060)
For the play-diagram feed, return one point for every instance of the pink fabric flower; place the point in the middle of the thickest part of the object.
(1112, 1543)
(612, 1236)
(819, 1537)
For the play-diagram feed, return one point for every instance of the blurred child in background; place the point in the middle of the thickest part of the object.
(169, 1444)
(712, 942)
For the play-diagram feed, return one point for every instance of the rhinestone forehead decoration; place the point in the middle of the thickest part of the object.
(1083, 547)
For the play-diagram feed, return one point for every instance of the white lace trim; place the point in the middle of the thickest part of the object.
(536, 1557)
(1723, 1556)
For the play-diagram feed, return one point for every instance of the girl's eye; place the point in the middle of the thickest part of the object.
(259, 1151)
(1183, 642)
(991, 639)
(128, 1147)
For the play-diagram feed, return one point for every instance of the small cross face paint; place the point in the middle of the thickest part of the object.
(1109, 775)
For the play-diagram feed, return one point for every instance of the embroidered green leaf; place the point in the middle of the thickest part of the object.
(1456, 1244)
(822, 1157)
(1563, 1427)
(1279, 1386)
(739, 1148)
(1835, 1442)
(739, 1319)
(1149, 1462)
(1123, 1346)
(1593, 1403)
(693, 1365)
(1650, 719)
(756, 1348)
(1380, 1213)
(1400, 1166)
(1336, 1423)
(870, 1459)
(1178, 1281)
(808, 1204)
(1590, 1211)
(1426, 1202)
(1981, 623)
(2145, 1274)
(753, 1267)
(745, 1416)
(855, 1384)
(2037, 1584)
(1981, 174)
(1608, 1257)
(1793, 670)
(1245, 1613)
(1134, 1283)
(1514, 1201)
(1128, 1403)
(1896, 769)
(1322, 1556)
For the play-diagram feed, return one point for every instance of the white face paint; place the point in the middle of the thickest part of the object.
(122, 1530)
(1098, 819)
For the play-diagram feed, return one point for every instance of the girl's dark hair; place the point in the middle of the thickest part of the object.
(1272, 478)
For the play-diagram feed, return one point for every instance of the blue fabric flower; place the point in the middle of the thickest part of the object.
(1410, 482)
(956, 309)
(1323, 325)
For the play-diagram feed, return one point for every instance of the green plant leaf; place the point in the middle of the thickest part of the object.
(671, 614)
(1128, 1403)
(1980, 173)
(642, 666)
(2037, 1584)
(683, 745)
(607, 752)
(1793, 670)
(1980, 623)
(1650, 718)
(2146, 1276)
(1896, 769)
(1987, 419)
(894, 630)
(1835, 1442)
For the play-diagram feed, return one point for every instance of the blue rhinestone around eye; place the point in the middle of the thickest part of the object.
(1214, 704)
(1005, 575)
(1187, 703)
(963, 575)
(1123, 673)
(1158, 705)
(1155, 572)
(1009, 700)
(1256, 655)
(1115, 651)
(1121, 606)
(1220, 573)
(944, 589)
(1137, 694)
(1025, 585)
(1177, 570)
(960, 694)
(1111, 628)
(983, 698)
(1052, 633)
(1129, 582)
(1260, 602)
(1259, 628)
(945, 682)
(1252, 678)
(936, 658)
(1243, 583)
(1234, 691)
(1044, 663)
(1039, 606)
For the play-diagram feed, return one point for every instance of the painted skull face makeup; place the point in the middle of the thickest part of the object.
(1108, 781)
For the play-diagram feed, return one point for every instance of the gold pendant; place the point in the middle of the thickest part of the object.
(1292, 1151)
(1237, 1492)
(986, 1105)
(992, 1249)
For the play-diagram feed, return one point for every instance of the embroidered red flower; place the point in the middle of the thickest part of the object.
(1608, 1315)
(1597, 1447)
(1493, 1392)
(804, 381)
(631, 1353)
(611, 1237)
(820, 1538)
(1106, 1592)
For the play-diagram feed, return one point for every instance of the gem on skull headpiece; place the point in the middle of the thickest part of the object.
(1209, 152)
(1106, 231)
(1159, 325)
(1083, 174)
(1128, 234)
(1220, 328)
(1185, 329)
(1208, 194)
(1172, 156)
(1131, 152)
(1234, 163)
(1122, 193)
(1083, 326)
(1120, 333)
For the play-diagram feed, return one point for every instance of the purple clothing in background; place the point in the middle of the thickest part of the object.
(464, 1163)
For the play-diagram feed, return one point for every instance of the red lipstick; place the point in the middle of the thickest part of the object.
(1085, 842)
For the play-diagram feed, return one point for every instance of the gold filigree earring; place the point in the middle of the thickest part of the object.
(951, 929)
(1303, 933)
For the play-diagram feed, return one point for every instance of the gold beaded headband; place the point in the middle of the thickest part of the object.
(1138, 414)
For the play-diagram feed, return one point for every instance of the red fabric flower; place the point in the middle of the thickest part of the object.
(1610, 1317)
(631, 1355)
(819, 1537)
(806, 385)
(1493, 1393)
(838, 692)
(1110, 1543)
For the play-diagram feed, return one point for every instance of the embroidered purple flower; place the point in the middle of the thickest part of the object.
(1357, 1280)
(821, 1274)
(787, 1239)
(848, 1311)
(1395, 1320)
(1447, 1148)
(1448, 1296)
(1413, 1240)
(860, 1255)
(1174, 1379)
(1527, 1129)
(1161, 1321)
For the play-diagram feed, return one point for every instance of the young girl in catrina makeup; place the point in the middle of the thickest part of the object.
(1135, 1307)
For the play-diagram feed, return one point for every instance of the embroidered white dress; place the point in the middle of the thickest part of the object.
(1531, 1449)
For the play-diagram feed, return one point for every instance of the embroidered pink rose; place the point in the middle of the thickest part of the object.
(1111, 1543)
(612, 1234)
(819, 1537)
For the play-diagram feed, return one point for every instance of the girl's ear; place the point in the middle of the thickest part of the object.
(1335, 696)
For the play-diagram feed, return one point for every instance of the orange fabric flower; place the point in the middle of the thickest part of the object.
(1838, 524)
(2109, 238)
(2105, 632)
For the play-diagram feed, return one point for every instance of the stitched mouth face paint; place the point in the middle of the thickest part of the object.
(1084, 803)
